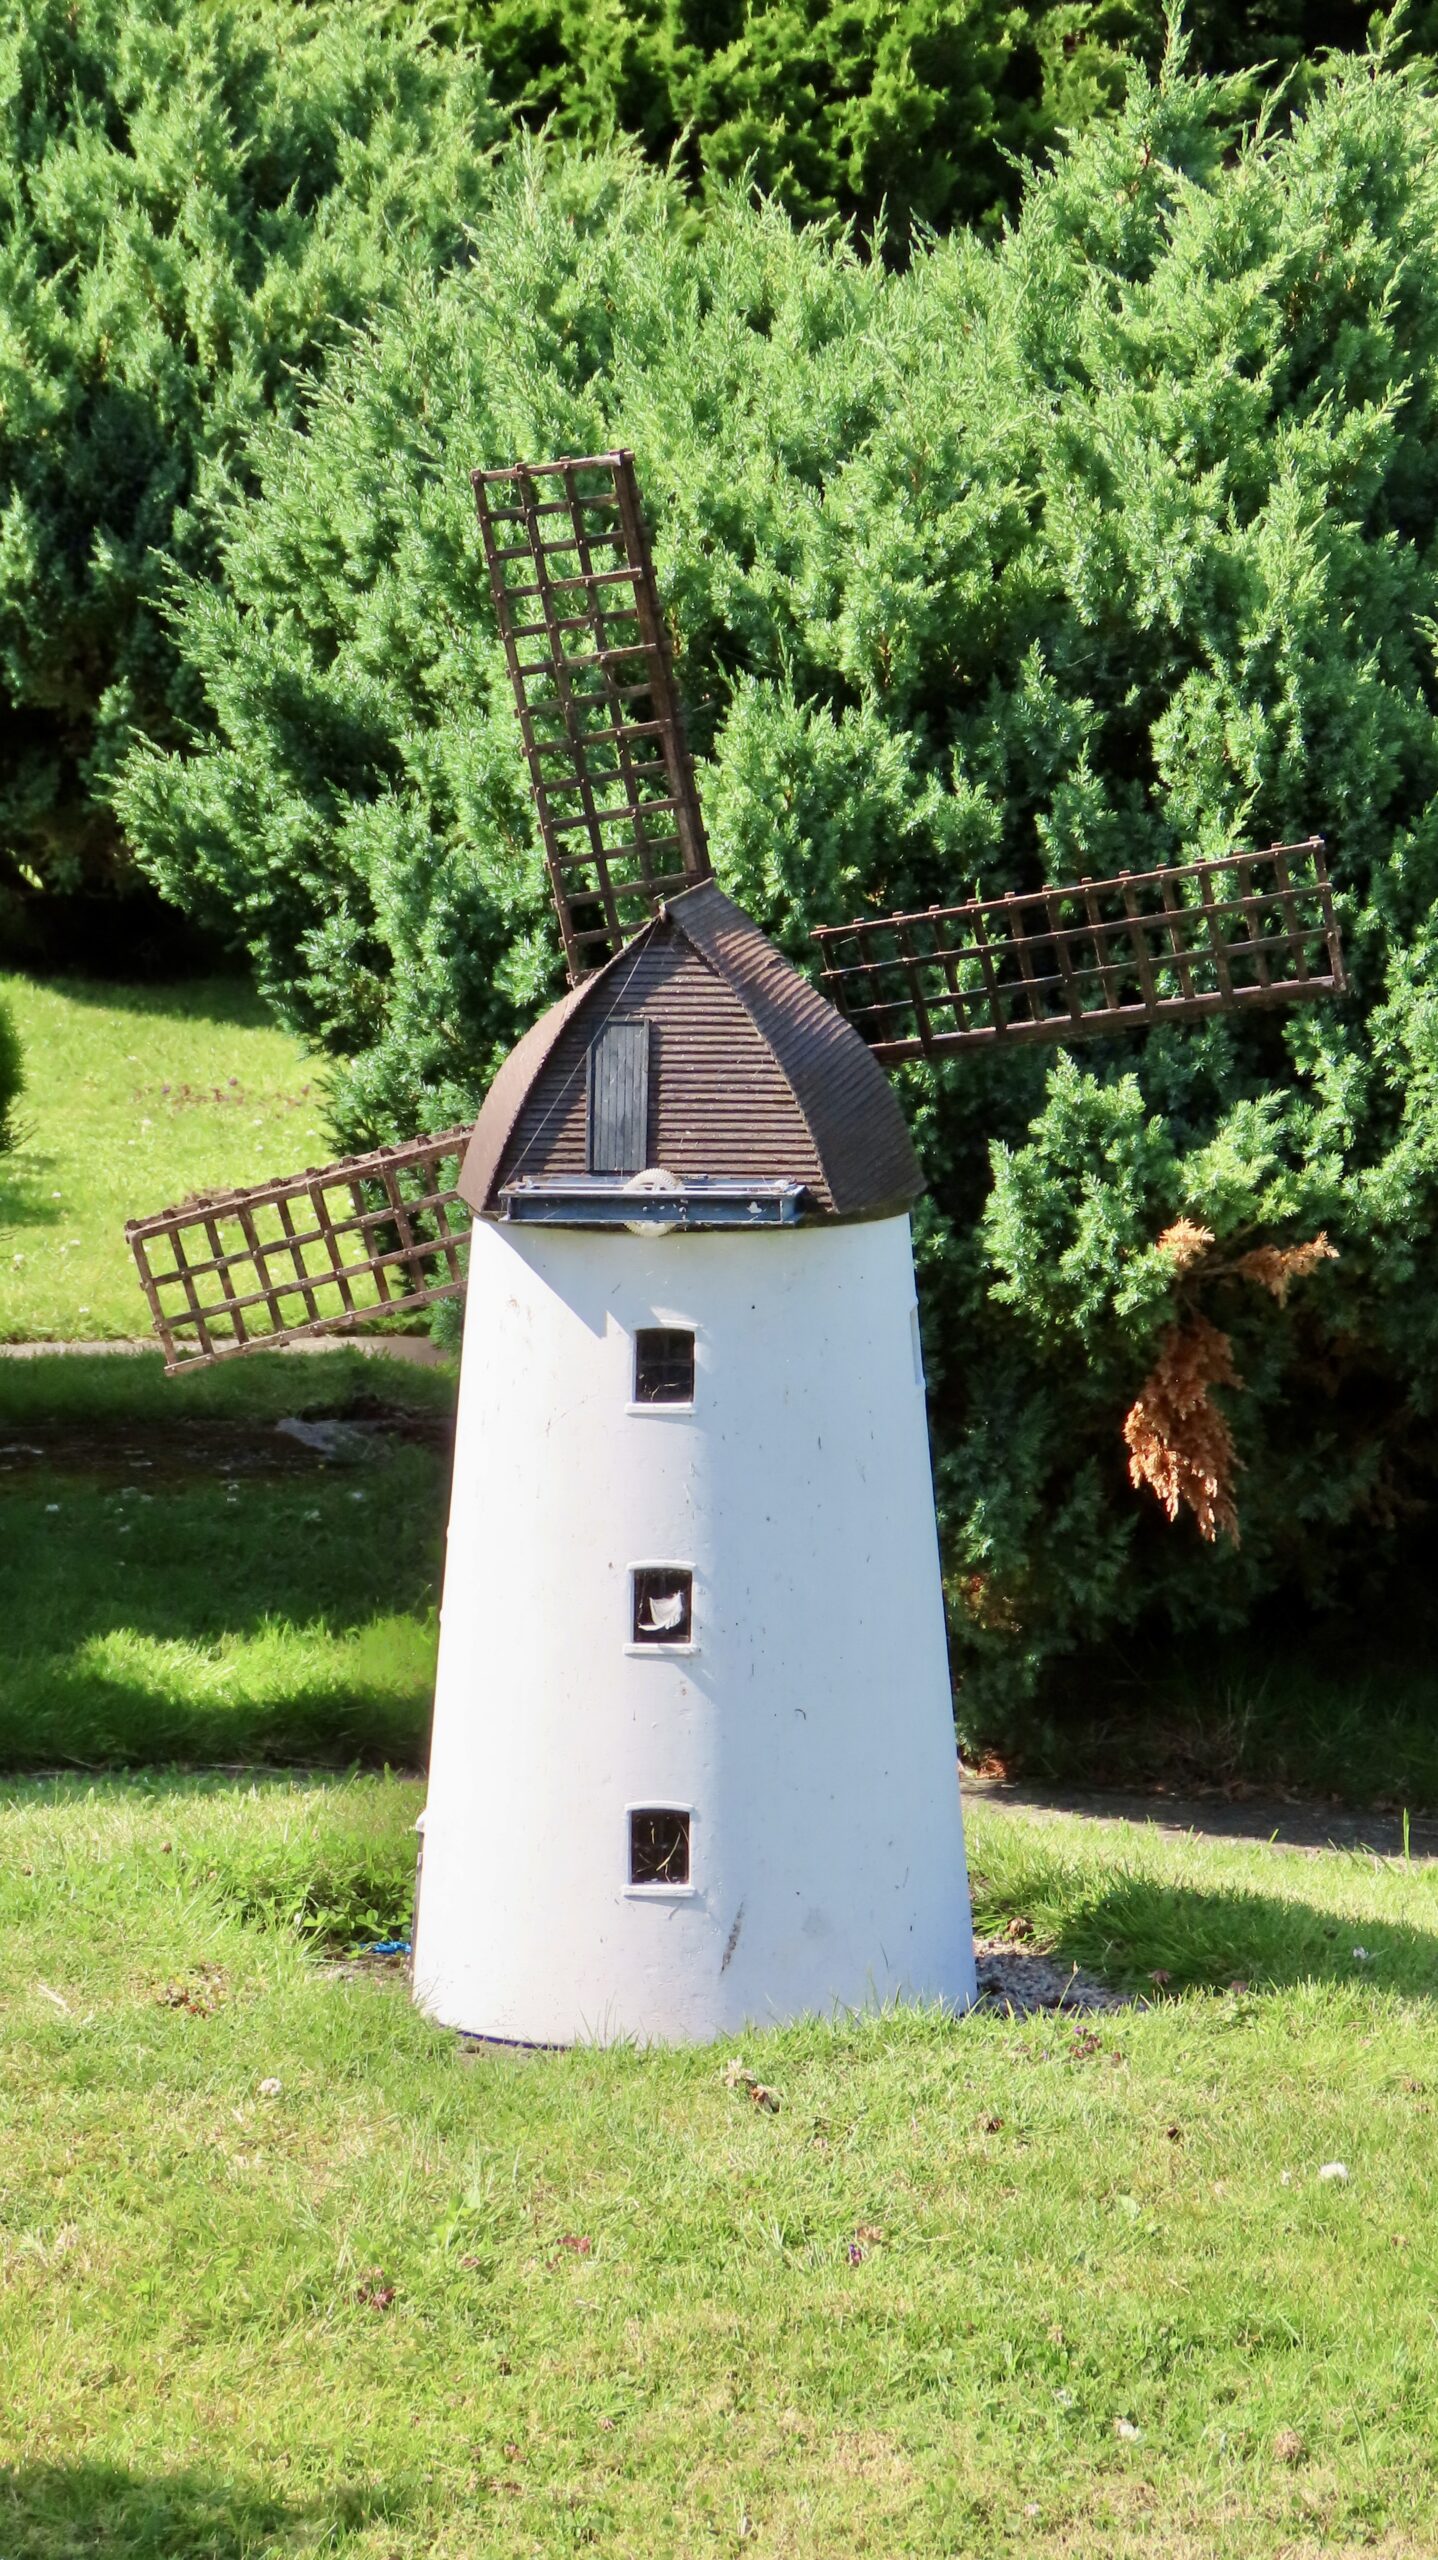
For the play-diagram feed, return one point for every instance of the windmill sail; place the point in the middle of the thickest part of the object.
(318, 1252)
(1098, 956)
(603, 731)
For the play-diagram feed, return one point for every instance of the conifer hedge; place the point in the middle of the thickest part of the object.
(196, 198)
(887, 113)
(1108, 543)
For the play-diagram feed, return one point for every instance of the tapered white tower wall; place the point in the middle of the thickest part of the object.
(806, 1730)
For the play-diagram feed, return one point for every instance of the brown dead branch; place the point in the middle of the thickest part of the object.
(1275, 1267)
(1179, 1440)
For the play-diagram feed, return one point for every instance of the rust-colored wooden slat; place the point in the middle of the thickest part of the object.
(1058, 934)
(196, 1311)
(1107, 969)
(998, 1013)
(445, 1238)
(945, 956)
(1286, 896)
(1138, 942)
(296, 1251)
(1014, 933)
(1256, 948)
(1176, 913)
(222, 1266)
(905, 940)
(1216, 944)
(667, 705)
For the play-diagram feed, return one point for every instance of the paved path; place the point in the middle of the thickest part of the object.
(415, 1347)
(1285, 1822)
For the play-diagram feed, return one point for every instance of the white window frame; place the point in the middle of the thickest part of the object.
(659, 1892)
(662, 1652)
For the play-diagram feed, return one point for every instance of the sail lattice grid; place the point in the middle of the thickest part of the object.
(372, 1235)
(588, 656)
(1194, 938)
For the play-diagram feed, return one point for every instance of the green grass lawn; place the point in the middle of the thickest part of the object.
(979, 2287)
(134, 1097)
(179, 1580)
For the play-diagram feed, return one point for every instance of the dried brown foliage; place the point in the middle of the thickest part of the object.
(1178, 1439)
(1275, 1267)
(1185, 1242)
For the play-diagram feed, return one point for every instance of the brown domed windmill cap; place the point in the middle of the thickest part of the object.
(749, 1074)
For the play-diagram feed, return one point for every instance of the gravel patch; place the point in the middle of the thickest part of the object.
(1013, 1979)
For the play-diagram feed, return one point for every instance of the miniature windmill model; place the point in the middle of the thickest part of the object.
(693, 1757)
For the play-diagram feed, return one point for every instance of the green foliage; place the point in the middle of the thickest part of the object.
(195, 199)
(1109, 542)
(335, 1868)
(12, 1078)
(884, 112)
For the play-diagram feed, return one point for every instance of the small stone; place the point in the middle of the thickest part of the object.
(1333, 2173)
(1125, 2428)
(271, 2088)
(1288, 2445)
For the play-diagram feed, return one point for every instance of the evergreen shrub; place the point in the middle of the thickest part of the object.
(1110, 543)
(891, 112)
(887, 113)
(195, 199)
(12, 1077)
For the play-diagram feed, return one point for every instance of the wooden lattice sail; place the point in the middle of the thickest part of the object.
(1094, 957)
(603, 732)
(618, 808)
(316, 1252)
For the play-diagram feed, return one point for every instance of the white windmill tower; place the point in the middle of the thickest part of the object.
(693, 1758)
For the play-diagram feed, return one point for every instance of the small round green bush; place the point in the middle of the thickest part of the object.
(12, 1077)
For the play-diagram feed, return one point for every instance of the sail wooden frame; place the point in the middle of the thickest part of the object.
(1097, 956)
(372, 1235)
(588, 656)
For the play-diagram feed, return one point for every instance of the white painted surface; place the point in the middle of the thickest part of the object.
(808, 1726)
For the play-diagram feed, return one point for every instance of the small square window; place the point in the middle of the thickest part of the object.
(658, 1846)
(663, 1366)
(663, 1604)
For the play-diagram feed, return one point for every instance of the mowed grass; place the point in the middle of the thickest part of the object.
(135, 1096)
(181, 1581)
(979, 2287)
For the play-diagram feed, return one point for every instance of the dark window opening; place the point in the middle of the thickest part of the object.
(663, 1604)
(663, 1366)
(658, 1847)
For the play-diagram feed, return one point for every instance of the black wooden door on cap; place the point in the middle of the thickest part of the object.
(619, 1098)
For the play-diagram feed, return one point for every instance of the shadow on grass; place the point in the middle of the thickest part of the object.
(1129, 1927)
(230, 1001)
(27, 1182)
(1290, 1823)
(317, 1695)
(98, 2511)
